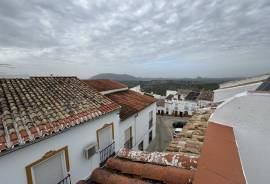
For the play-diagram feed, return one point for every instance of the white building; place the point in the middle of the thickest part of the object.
(229, 89)
(137, 89)
(183, 102)
(54, 129)
(248, 114)
(137, 115)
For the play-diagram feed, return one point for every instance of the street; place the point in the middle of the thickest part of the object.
(164, 132)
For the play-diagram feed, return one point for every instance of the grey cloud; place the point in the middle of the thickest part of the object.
(110, 33)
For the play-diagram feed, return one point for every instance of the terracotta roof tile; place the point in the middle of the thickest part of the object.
(219, 162)
(105, 84)
(131, 102)
(190, 140)
(103, 176)
(206, 95)
(160, 158)
(40, 106)
(153, 172)
(192, 95)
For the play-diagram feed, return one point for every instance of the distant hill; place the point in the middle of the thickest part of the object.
(117, 77)
(160, 85)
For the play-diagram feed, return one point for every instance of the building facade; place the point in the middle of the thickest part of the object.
(137, 115)
(54, 129)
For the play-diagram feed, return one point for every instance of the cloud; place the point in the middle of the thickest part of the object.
(99, 36)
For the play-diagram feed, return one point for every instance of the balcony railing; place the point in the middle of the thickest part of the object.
(66, 180)
(128, 143)
(106, 153)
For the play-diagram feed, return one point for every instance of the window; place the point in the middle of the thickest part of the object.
(105, 136)
(106, 144)
(140, 147)
(150, 136)
(150, 119)
(128, 138)
(52, 168)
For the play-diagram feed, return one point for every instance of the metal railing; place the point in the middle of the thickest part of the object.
(106, 153)
(66, 180)
(128, 143)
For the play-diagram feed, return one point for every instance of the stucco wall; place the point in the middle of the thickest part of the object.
(182, 106)
(223, 94)
(140, 127)
(248, 114)
(12, 166)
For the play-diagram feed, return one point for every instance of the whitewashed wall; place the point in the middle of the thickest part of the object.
(182, 106)
(140, 127)
(12, 166)
(223, 94)
(249, 115)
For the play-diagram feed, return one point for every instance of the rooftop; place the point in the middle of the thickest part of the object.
(190, 140)
(42, 106)
(131, 102)
(219, 161)
(206, 95)
(161, 103)
(247, 81)
(139, 167)
(103, 85)
(192, 95)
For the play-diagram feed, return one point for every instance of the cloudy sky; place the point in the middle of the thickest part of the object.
(154, 38)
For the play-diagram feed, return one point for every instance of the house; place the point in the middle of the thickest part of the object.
(137, 114)
(217, 163)
(183, 102)
(229, 89)
(205, 98)
(161, 106)
(137, 89)
(54, 129)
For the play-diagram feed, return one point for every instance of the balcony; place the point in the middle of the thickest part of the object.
(66, 180)
(106, 153)
(128, 143)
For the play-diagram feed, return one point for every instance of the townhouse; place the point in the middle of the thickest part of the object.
(58, 129)
(137, 114)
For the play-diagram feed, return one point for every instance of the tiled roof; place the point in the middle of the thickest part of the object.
(105, 84)
(41, 106)
(138, 167)
(169, 97)
(192, 95)
(219, 161)
(131, 102)
(265, 86)
(206, 95)
(190, 140)
(161, 102)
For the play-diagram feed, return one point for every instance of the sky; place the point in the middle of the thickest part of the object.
(153, 38)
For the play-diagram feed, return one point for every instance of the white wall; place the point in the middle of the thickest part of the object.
(136, 89)
(12, 165)
(244, 81)
(249, 115)
(170, 92)
(223, 94)
(140, 127)
(182, 106)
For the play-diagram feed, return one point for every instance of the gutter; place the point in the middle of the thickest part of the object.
(10, 150)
